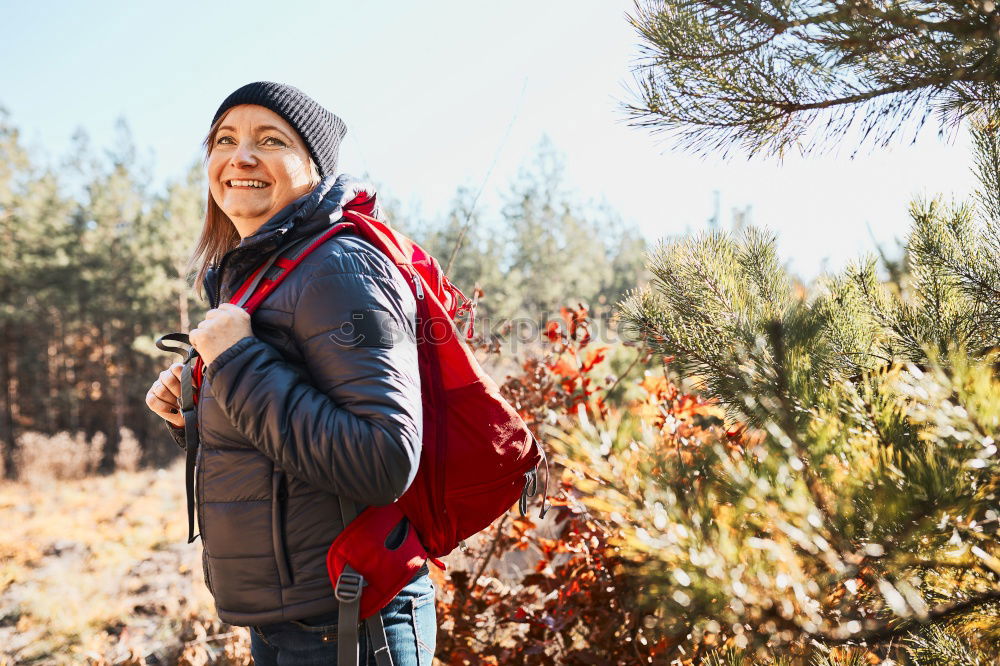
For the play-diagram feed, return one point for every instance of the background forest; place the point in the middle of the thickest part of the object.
(747, 469)
(93, 272)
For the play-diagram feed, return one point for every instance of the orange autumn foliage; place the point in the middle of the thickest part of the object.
(572, 600)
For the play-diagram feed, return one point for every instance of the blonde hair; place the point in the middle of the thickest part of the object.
(218, 233)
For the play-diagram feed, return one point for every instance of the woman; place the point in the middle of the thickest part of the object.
(295, 416)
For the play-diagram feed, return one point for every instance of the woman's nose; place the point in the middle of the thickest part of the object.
(244, 156)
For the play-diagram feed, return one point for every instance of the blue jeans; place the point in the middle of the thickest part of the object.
(410, 628)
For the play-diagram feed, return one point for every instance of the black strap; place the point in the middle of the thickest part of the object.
(531, 485)
(184, 349)
(190, 414)
(350, 610)
(192, 442)
(348, 510)
(190, 461)
(530, 490)
(545, 489)
(377, 637)
(348, 593)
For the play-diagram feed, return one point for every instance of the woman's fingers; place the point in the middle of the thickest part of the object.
(165, 408)
(159, 405)
(174, 419)
(163, 394)
(171, 379)
(163, 397)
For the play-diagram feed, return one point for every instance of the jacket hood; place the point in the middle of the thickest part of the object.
(307, 215)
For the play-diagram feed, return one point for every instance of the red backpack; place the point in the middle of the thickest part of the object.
(478, 456)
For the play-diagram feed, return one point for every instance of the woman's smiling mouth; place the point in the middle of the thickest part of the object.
(247, 184)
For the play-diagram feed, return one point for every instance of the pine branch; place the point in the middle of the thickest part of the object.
(727, 72)
(818, 490)
(889, 632)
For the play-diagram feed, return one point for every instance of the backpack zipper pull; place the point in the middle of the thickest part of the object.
(419, 287)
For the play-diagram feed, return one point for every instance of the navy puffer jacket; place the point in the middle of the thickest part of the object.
(304, 410)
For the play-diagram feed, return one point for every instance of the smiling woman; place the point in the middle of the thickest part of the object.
(298, 430)
(252, 142)
(256, 164)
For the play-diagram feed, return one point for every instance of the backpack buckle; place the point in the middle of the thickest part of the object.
(349, 586)
(530, 490)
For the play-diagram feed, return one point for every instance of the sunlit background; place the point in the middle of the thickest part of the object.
(759, 464)
(447, 94)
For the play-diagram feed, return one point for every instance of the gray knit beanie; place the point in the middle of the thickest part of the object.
(321, 130)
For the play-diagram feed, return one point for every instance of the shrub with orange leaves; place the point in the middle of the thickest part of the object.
(680, 537)
(557, 590)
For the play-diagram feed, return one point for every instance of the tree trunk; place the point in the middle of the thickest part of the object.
(73, 417)
(62, 378)
(112, 383)
(182, 303)
(52, 410)
(9, 389)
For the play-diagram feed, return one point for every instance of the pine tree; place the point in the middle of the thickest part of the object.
(564, 252)
(852, 498)
(771, 75)
(471, 252)
(86, 268)
(848, 510)
(33, 262)
(556, 253)
(13, 159)
(162, 240)
(109, 262)
(544, 251)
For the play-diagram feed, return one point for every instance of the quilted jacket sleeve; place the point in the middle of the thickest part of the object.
(353, 427)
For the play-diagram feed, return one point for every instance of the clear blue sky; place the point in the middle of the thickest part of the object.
(428, 91)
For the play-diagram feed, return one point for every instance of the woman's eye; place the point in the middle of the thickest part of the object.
(273, 141)
(224, 140)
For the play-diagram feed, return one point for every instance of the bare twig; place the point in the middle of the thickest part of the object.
(623, 375)
(489, 553)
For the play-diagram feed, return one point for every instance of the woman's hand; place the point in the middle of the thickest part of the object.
(222, 327)
(164, 395)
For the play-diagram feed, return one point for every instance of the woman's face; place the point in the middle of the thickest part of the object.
(258, 164)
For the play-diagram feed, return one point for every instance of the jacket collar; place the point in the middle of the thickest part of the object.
(307, 215)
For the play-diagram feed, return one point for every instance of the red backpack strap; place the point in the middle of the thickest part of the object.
(256, 288)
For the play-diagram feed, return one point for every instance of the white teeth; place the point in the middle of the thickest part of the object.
(247, 183)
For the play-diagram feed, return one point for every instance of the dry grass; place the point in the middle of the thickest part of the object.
(70, 456)
(97, 571)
